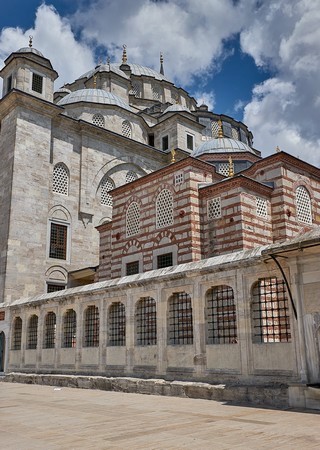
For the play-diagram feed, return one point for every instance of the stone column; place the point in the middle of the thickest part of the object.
(199, 343)
(162, 332)
(129, 334)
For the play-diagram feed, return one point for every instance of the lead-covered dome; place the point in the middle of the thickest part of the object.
(30, 50)
(94, 96)
(176, 108)
(136, 69)
(222, 145)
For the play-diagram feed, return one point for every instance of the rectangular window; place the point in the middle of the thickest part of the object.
(51, 287)
(132, 268)
(165, 142)
(37, 82)
(164, 260)
(58, 241)
(151, 139)
(2, 315)
(189, 142)
(9, 83)
(214, 208)
(178, 178)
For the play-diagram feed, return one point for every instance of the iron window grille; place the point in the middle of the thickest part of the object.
(117, 325)
(37, 83)
(164, 209)
(51, 287)
(303, 205)
(221, 316)
(132, 268)
(146, 321)
(164, 260)
(180, 326)
(126, 129)
(214, 208)
(50, 330)
(32, 333)
(262, 207)
(58, 241)
(17, 334)
(69, 329)
(60, 179)
(270, 311)
(91, 327)
(106, 185)
(133, 219)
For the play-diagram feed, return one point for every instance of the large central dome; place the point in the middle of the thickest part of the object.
(136, 69)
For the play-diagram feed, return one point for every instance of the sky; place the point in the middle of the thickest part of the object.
(255, 60)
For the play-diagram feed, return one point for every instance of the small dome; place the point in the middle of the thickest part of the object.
(221, 145)
(176, 108)
(94, 96)
(30, 50)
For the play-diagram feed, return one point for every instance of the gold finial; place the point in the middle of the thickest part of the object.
(30, 41)
(173, 155)
(161, 64)
(278, 149)
(231, 167)
(124, 54)
(94, 81)
(220, 130)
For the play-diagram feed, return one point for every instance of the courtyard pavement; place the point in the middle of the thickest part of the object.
(43, 417)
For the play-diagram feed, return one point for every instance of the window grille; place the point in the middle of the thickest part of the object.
(37, 83)
(180, 327)
(132, 268)
(270, 311)
(235, 134)
(16, 334)
(51, 287)
(50, 330)
(131, 176)
(156, 93)
(60, 179)
(91, 326)
(262, 207)
(126, 129)
(223, 168)
(146, 321)
(98, 120)
(189, 142)
(117, 325)
(164, 260)
(215, 129)
(136, 89)
(221, 316)
(133, 219)
(32, 333)
(69, 329)
(303, 204)
(164, 209)
(106, 185)
(178, 179)
(214, 208)
(58, 241)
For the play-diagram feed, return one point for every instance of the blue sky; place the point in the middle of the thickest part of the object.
(257, 61)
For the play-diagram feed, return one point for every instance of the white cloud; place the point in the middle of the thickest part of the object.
(52, 35)
(206, 98)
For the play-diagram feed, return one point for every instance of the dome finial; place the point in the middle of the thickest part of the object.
(95, 82)
(220, 129)
(124, 54)
(231, 167)
(30, 41)
(161, 64)
(173, 156)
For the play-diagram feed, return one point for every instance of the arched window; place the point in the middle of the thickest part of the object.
(270, 311)
(133, 219)
(180, 326)
(60, 179)
(32, 333)
(117, 325)
(221, 316)
(69, 329)
(106, 185)
(49, 330)
(91, 327)
(16, 334)
(126, 129)
(131, 176)
(164, 209)
(303, 204)
(146, 322)
(98, 120)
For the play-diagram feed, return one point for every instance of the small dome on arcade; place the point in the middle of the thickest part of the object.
(176, 108)
(221, 145)
(94, 96)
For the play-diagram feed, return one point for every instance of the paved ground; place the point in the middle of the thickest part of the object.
(43, 417)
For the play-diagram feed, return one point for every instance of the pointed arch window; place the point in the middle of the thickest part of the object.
(117, 325)
(60, 179)
(91, 326)
(126, 129)
(303, 205)
(98, 120)
(221, 316)
(16, 334)
(106, 186)
(32, 333)
(164, 209)
(69, 329)
(133, 219)
(50, 323)
(180, 324)
(146, 321)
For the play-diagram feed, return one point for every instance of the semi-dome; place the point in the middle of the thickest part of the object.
(94, 96)
(176, 108)
(136, 69)
(29, 50)
(222, 145)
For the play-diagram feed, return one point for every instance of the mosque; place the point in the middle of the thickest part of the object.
(144, 235)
